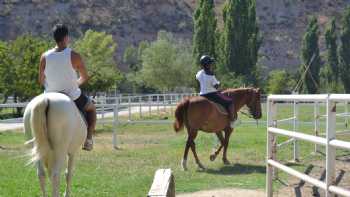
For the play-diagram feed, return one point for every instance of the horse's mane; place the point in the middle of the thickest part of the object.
(230, 91)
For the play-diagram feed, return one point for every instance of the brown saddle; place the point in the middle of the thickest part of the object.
(220, 108)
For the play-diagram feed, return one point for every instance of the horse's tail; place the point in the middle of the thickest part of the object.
(38, 124)
(180, 114)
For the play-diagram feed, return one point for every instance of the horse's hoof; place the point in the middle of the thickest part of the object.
(212, 157)
(227, 162)
(201, 167)
(184, 165)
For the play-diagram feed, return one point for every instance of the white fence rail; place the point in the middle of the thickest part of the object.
(109, 109)
(330, 141)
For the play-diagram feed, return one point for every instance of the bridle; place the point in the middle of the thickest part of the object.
(252, 110)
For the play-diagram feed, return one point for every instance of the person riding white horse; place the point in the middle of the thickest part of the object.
(52, 121)
(58, 73)
(53, 124)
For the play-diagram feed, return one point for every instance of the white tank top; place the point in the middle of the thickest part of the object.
(59, 73)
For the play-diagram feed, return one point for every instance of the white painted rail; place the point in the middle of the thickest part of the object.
(330, 141)
(109, 109)
(299, 136)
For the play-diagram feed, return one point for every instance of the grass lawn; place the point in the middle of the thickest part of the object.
(144, 149)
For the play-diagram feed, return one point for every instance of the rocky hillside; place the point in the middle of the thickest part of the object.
(129, 21)
(282, 22)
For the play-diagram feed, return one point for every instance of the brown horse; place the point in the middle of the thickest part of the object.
(198, 113)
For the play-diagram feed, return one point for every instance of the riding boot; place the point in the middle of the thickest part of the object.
(232, 115)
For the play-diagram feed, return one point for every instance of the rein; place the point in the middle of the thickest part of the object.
(246, 114)
(250, 116)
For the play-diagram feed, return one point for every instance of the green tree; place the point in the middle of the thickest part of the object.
(130, 58)
(6, 72)
(131, 82)
(280, 82)
(167, 64)
(344, 50)
(97, 50)
(311, 58)
(25, 54)
(241, 39)
(330, 72)
(204, 30)
(142, 46)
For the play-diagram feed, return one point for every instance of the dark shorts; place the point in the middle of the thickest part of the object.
(220, 98)
(82, 102)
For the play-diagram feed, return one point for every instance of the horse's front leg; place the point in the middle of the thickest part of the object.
(42, 177)
(193, 135)
(69, 174)
(228, 132)
(217, 151)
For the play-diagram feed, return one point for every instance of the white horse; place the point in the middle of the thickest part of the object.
(59, 131)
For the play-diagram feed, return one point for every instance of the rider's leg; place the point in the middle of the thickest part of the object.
(228, 104)
(91, 120)
(231, 112)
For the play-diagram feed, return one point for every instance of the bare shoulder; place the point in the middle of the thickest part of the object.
(42, 58)
(76, 59)
(75, 55)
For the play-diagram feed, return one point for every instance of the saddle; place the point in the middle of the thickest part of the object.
(219, 107)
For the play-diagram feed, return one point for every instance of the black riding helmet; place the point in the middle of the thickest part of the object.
(206, 60)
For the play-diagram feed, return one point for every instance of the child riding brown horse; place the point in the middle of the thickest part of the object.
(198, 113)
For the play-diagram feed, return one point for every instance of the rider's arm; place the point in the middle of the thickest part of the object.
(216, 83)
(198, 87)
(217, 86)
(42, 65)
(79, 66)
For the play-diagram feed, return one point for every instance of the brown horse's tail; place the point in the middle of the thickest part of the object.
(180, 115)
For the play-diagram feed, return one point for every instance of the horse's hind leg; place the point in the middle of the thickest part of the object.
(228, 132)
(69, 174)
(184, 160)
(42, 178)
(215, 153)
(55, 174)
(192, 136)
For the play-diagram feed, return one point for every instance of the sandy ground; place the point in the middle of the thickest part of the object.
(296, 187)
(226, 193)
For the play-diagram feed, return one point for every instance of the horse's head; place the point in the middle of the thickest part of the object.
(254, 103)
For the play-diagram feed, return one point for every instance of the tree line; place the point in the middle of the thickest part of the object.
(159, 66)
(320, 72)
(236, 46)
(19, 60)
(169, 63)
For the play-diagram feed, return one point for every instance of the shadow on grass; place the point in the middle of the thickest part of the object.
(238, 169)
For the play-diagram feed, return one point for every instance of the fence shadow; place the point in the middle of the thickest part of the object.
(238, 169)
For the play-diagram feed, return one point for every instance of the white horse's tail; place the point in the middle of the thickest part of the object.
(38, 124)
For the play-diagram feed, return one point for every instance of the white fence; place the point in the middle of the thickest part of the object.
(109, 109)
(330, 141)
